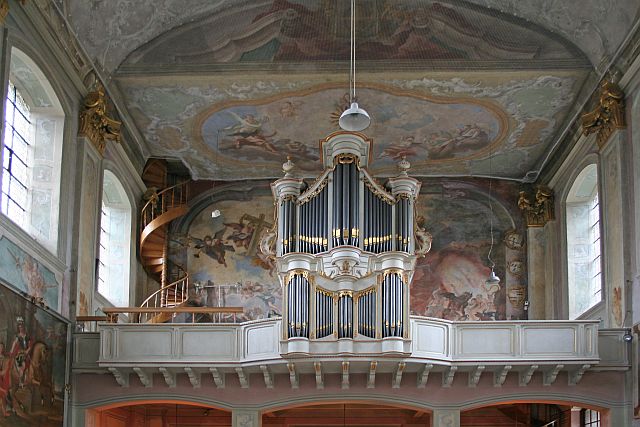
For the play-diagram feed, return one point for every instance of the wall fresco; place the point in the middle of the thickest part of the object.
(449, 282)
(27, 274)
(32, 364)
(222, 256)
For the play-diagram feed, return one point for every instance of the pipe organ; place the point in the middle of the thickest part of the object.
(345, 251)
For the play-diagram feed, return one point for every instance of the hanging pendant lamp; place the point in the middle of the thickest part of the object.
(493, 279)
(353, 118)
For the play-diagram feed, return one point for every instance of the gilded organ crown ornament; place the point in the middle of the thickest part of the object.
(95, 123)
(607, 116)
(538, 210)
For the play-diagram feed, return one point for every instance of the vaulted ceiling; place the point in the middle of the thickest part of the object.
(460, 88)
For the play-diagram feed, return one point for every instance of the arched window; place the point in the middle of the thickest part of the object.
(583, 242)
(31, 151)
(115, 242)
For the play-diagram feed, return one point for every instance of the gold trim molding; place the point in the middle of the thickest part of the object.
(95, 124)
(538, 211)
(608, 114)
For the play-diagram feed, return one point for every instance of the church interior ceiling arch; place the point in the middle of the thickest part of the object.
(233, 88)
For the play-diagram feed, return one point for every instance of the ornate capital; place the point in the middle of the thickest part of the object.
(95, 124)
(539, 210)
(608, 114)
(4, 9)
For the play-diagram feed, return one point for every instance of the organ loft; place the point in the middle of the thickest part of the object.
(345, 250)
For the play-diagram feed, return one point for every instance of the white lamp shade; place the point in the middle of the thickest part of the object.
(492, 279)
(354, 118)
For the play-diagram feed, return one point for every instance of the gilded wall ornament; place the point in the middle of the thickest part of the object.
(516, 268)
(608, 114)
(4, 9)
(514, 240)
(539, 210)
(95, 124)
(516, 296)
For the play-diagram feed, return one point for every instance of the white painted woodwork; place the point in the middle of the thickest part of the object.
(397, 378)
(524, 377)
(194, 377)
(448, 375)
(146, 378)
(474, 376)
(345, 375)
(218, 377)
(169, 376)
(499, 377)
(437, 346)
(317, 367)
(243, 378)
(268, 376)
(371, 381)
(293, 375)
(423, 375)
(549, 376)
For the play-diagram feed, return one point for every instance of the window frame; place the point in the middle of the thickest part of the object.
(594, 311)
(52, 245)
(103, 300)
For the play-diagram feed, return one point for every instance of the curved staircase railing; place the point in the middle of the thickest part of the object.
(169, 296)
(161, 208)
(155, 212)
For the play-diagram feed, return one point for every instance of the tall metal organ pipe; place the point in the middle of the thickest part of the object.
(298, 291)
(393, 305)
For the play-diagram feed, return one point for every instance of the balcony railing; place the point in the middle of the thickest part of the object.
(433, 341)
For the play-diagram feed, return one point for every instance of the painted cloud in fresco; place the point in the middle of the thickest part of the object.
(222, 255)
(449, 282)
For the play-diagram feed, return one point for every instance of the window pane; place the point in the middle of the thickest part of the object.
(583, 242)
(115, 240)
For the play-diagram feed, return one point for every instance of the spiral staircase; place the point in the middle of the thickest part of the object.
(164, 203)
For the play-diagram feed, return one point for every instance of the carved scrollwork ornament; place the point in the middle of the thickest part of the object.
(268, 243)
(539, 210)
(423, 238)
(95, 123)
(608, 115)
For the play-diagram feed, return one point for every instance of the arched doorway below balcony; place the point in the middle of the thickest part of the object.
(160, 415)
(347, 414)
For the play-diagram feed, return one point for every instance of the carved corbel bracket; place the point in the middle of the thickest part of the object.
(608, 115)
(95, 123)
(537, 210)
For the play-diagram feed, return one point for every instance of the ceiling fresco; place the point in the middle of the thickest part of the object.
(319, 31)
(459, 87)
(596, 27)
(444, 125)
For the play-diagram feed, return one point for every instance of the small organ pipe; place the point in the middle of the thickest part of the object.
(345, 206)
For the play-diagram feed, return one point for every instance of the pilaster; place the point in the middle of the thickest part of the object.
(612, 201)
(246, 418)
(446, 418)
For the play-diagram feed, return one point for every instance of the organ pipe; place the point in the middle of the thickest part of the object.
(393, 307)
(345, 206)
(298, 289)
